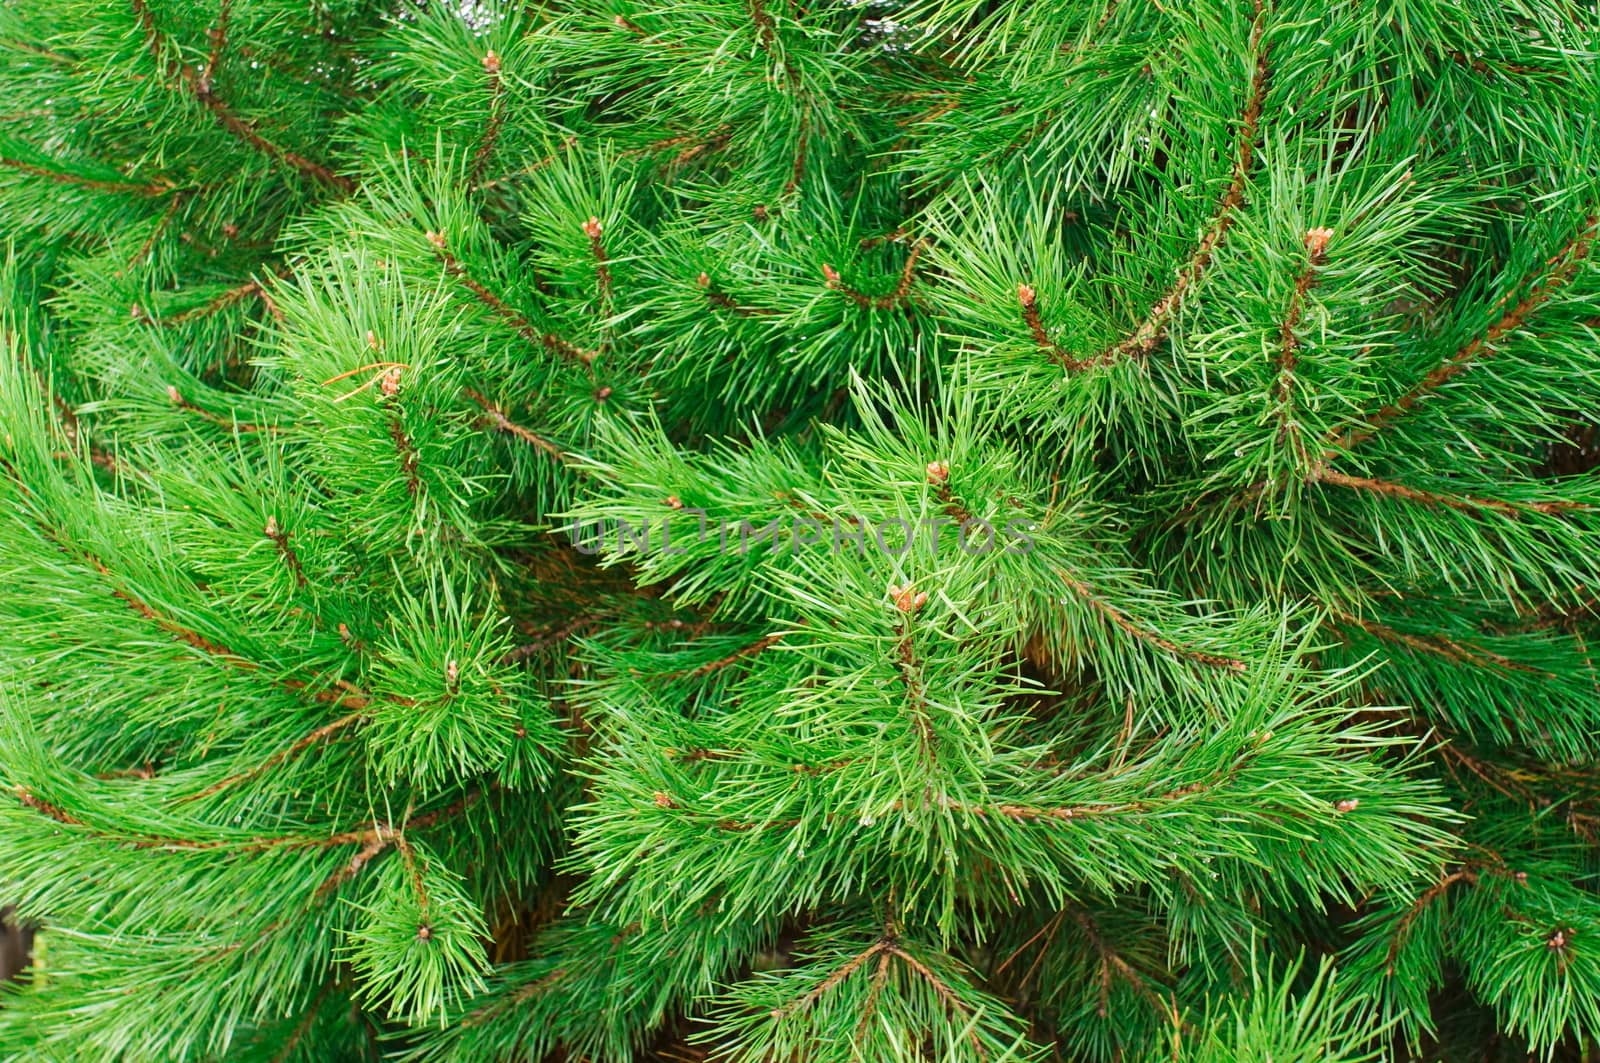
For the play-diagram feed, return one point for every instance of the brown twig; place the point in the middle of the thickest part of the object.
(406, 451)
(602, 263)
(280, 539)
(1126, 624)
(300, 745)
(844, 971)
(797, 171)
(727, 302)
(910, 670)
(736, 656)
(497, 419)
(1464, 503)
(148, 191)
(178, 400)
(200, 84)
(1153, 329)
(1438, 646)
(900, 297)
(1403, 928)
(532, 168)
(1316, 242)
(497, 117)
(1562, 266)
(498, 306)
(155, 233)
(1028, 298)
(304, 1025)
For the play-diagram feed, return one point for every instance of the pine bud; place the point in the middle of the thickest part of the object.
(1349, 804)
(435, 239)
(907, 599)
(424, 932)
(673, 502)
(372, 340)
(592, 228)
(1027, 296)
(601, 394)
(272, 531)
(230, 230)
(174, 395)
(390, 384)
(938, 472)
(663, 800)
(704, 280)
(1558, 938)
(452, 675)
(1317, 242)
(491, 62)
(831, 275)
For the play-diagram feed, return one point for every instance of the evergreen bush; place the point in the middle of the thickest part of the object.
(757, 530)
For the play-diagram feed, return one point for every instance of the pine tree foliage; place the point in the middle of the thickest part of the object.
(728, 529)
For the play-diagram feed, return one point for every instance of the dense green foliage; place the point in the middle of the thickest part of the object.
(470, 490)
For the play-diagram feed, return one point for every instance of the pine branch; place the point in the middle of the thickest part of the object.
(1561, 266)
(896, 299)
(1316, 241)
(1153, 329)
(1465, 503)
(229, 423)
(302, 1027)
(720, 299)
(199, 84)
(1126, 624)
(1437, 645)
(300, 745)
(148, 191)
(497, 118)
(498, 420)
(500, 309)
(1111, 960)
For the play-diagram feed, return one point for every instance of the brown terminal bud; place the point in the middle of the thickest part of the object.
(230, 230)
(452, 674)
(390, 384)
(907, 599)
(272, 531)
(673, 502)
(1558, 938)
(1027, 295)
(1317, 242)
(174, 395)
(435, 239)
(938, 472)
(1349, 804)
(704, 280)
(372, 340)
(831, 275)
(592, 228)
(601, 394)
(424, 932)
(663, 800)
(491, 62)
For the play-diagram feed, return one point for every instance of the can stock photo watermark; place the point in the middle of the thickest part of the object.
(889, 536)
